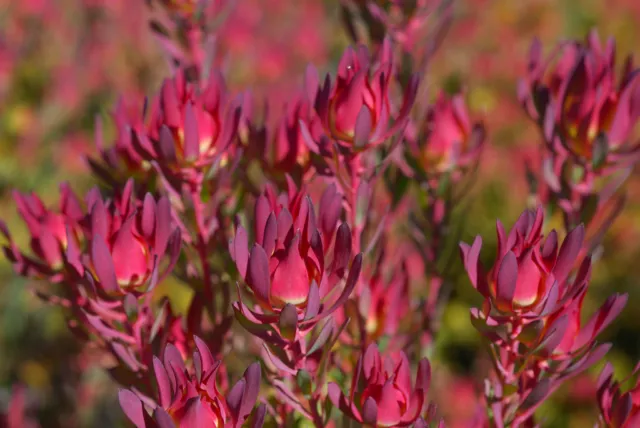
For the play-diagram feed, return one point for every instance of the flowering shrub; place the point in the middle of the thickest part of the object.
(288, 258)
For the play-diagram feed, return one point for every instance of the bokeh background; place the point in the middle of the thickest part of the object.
(64, 62)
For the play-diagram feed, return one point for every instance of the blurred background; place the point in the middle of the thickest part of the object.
(64, 62)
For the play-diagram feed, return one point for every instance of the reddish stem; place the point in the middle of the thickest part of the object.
(201, 245)
(355, 167)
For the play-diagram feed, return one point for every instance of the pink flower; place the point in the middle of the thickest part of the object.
(119, 242)
(526, 266)
(286, 270)
(381, 391)
(357, 110)
(579, 105)
(189, 128)
(617, 408)
(189, 398)
(127, 239)
(289, 252)
(52, 231)
(532, 314)
(447, 140)
(529, 285)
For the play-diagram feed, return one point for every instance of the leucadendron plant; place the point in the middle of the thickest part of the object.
(317, 237)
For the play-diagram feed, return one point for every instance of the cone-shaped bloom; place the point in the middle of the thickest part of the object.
(381, 391)
(579, 104)
(188, 127)
(531, 300)
(120, 242)
(127, 239)
(617, 408)
(189, 398)
(50, 233)
(532, 314)
(286, 270)
(526, 267)
(121, 160)
(288, 255)
(109, 256)
(131, 245)
(447, 139)
(286, 148)
(357, 109)
(530, 280)
(383, 302)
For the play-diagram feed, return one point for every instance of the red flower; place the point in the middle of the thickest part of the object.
(617, 408)
(48, 229)
(448, 139)
(526, 267)
(52, 232)
(286, 147)
(286, 269)
(189, 127)
(127, 240)
(386, 397)
(289, 252)
(529, 284)
(190, 398)
(532, 313)
(357, 110)
(581, 108)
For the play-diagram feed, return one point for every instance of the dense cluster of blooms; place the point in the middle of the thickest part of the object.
(317, 240)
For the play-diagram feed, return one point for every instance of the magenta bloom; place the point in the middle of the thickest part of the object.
(357, 109)
(189, 398)
(532, 312)
(447, 139)
(529, 282)
(121, 160)
(189, 127)
(617, 408)
(526, 267)
(289, 252)
(286, 269)
(286, 148)
(579, 104)
(383, 301)
(126, 240)
(386, 397)
(51, 233)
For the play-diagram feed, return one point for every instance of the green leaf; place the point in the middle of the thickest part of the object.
(288, 322)
(130, 306)
(323, 336)
(600, 151)
(589, 208)
(363, 195)
(253, 328)
(305, 382)
(444, 184)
